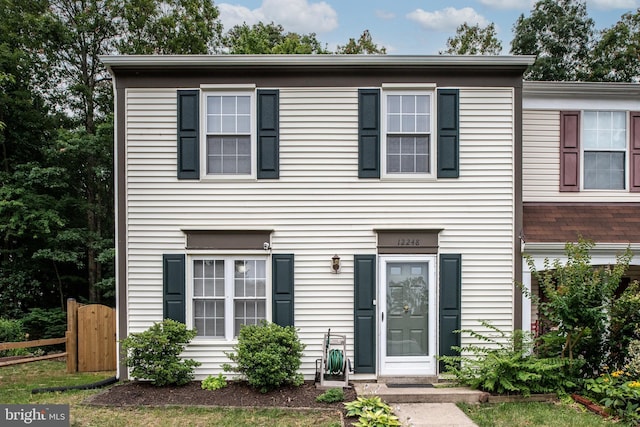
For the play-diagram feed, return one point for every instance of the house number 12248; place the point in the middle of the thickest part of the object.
(408, 242)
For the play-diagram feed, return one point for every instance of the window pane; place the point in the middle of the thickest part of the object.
(214, 105)
(393, 103)
(589, 120)
(423, 106)
(393, 163)
(244, 124)
(198, 287)
(261, 288)
(408, 123)
(198, 269)
(407, 163)
(244, 105)
(604, 120)
(422, 124)
(244, 146)
(228, 124)
(214, 165)
(604, 170)
(393, 123)
(408, 104)
(228, 105)
(422, 165)
(422, 145)
(209, 287)
(393, 145)
(214, 125)
(198, 308)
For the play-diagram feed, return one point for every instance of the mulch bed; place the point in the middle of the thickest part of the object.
(236, 394)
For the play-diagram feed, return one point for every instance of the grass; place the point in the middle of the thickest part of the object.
(536, 414)
(16, 383)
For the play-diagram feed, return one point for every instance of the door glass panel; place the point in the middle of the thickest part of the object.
(407, 308)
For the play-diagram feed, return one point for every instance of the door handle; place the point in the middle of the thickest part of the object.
(382, 312)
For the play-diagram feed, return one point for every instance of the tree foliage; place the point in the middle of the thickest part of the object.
(363, 46)
(474, 40)
(559, 33)
(270, 39)
(169, 27)
(616, 55)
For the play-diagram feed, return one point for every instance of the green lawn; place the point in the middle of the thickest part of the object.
(536, 414)
(16, 383)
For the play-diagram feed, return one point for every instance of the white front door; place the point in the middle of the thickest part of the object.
(407, 315)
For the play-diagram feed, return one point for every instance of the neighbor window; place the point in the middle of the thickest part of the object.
(228, 140)
(228, 292)
(604, 136)
(408, 133)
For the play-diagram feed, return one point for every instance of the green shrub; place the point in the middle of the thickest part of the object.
(155, 353)
(11, 331)
(42, 323)
(509, 366)
(214, 383)
(268, 355)
(331, 396)
(624, 325)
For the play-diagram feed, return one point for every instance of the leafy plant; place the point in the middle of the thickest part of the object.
(214, 383)
(365, 404)
(507, 365)
(372, 411)
(331, 396)
(268, 355)
(619, 392)
(624, 325)
(155, 353)
(379, 418)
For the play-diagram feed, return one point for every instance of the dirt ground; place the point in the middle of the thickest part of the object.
(236, 394)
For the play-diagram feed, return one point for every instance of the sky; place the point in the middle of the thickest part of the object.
(403, 27)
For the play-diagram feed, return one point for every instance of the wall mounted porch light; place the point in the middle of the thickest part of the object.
(335, 263)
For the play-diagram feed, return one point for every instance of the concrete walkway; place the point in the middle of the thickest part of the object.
(431, 414)
(428, 406)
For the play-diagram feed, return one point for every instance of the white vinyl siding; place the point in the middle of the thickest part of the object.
(541, 163)
(318, 208)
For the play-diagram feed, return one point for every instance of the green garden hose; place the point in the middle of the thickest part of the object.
(335, 362)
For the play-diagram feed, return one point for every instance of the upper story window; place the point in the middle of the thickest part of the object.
(227, 293)
(604, 136)
(229, 140)
(408, 133)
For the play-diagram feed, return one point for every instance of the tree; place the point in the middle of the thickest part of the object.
(616, 55)
(364, 45)
(169, 27)
(473, 40)
(559, 33)
(270, 39)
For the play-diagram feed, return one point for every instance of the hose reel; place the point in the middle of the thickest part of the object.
(334, 366)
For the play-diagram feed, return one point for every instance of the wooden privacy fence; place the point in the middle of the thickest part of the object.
(90, 340)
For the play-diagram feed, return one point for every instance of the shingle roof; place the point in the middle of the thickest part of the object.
(601, 222)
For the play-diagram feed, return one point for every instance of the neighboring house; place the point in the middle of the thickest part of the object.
(242, 179)
(581, 173)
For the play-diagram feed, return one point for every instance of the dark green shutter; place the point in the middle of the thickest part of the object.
(450, 301)
(282, 289)
(173, 279)
(448, 133)
(268, 134)
(368, 133)
(365, 313)
(188, 134)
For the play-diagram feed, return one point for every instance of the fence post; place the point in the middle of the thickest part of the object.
(72, 336)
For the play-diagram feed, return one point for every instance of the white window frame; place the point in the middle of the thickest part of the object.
(229, 297)
(428, 90)
(625, 151)
(222, 90)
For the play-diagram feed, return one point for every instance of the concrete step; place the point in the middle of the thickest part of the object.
(412, 393)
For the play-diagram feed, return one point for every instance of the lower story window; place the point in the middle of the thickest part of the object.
(228, 292)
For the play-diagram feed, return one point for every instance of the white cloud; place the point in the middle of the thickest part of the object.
(509, 4)
(294, 15)
(613, 4)
(383, 14)
(447, 19)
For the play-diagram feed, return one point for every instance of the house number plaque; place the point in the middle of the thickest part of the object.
(419, 241)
